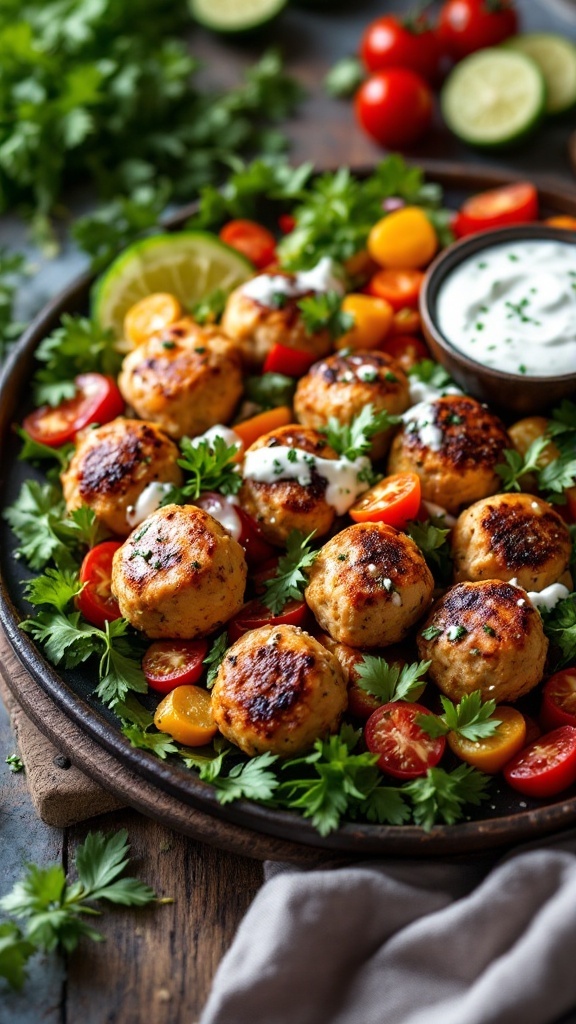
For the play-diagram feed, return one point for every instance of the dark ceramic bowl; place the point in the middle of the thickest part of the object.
(511, 393)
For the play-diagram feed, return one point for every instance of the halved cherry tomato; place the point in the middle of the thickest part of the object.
(405, 321)
(286, 223)
(394, 501)
(170, 663)
(547, 766)
(250, 430)
(255, 614)
(562, 221)
(257, 549)
(372, 320)
(400, 288)
(96, 601)
(559, 700)
(186, 715)
(251, 239)
(405, 750)
(511, 204)
(293, 362)
(97, 400)
(405, 349)
(265, 571)
(493, 752)
(151, 314)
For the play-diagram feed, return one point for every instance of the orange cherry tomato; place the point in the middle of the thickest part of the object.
(250, 430)
(400, 288)
(493, 752)
(511, 204)
(186, 715)
(96, 601)
(559, 700)
(372, 320)
(394, 501)
(562, 221)
(170, 663)
(405, 239)
(405, 349)
(406, 321)
(251, 239)
(152, 314)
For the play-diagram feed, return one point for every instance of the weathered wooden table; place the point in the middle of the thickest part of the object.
(157, 964)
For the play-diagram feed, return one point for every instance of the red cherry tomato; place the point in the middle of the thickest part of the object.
(265, 571)
(469, 25)
(547, 766)
(257, 549)
(406, 349)
(405, 750)
(511, 204)
(390, 42)
(96, 601)
(559, 700)
(394, 107)
(171, 663)
(394, 501)
(251, 239)
(401, 288)
(255, 614)
(286, 223)
(292, 362)
(97, 400)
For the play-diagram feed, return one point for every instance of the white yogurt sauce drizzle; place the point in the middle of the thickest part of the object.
(148, 502)
(513, 307)
(226, 433)
(422, 392)
(322, 278)
(420, 420)
(270, 465)
(547, 598)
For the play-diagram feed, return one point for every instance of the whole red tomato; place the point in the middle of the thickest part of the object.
(392, 42)
(394, 107)
(469, 25)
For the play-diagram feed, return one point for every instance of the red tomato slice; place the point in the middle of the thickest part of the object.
(405, 750)
(547, 766)
(394, 501)
(257, 549)
(511, 204)
(290, 361)
(406, 349)
(251, 239)
(96, 601)
(559, 700)
(171, 663)
(255, 614)
(97, 400)
(400, 288)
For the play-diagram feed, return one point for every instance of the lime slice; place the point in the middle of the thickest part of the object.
(235, 15)
(190, 265)
(493, 97)
(556, 58)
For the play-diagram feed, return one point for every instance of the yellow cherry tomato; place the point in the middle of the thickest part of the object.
(150, 315)
(186, 715)
(525, 432)
(493, 752)
(562, 221)
(372, 320)
(405, 239)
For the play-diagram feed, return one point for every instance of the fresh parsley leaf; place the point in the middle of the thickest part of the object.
(55, 587)
(115, 225)
(350, 440)
(240, 195)
(34, 451)
(291, 577)
(560, 628)
(158, 742)
(431, 373)
(214, 658)
(471, 718)
(323, 312)
(12, 270)
(384, 805)
(250, 780)
(270, 390)
(120, 665)
(555, 478)
(515, 467)
(78, 346)
(208, 466)
(562, 426)
(15, 763)
(344, 77)
(35, 517)
(132, 712)
(431, 632)
(390, 682)
(210, 309)
(431, 536)
(210, 767)
(441, 796)
(82, 528)
(15, 951)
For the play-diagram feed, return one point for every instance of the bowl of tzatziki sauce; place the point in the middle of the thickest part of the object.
(499, 312)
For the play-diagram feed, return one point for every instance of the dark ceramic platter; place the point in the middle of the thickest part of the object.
(504, 819)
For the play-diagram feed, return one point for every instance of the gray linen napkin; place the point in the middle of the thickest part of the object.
(409, 942)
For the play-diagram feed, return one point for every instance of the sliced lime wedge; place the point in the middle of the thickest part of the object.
(556, 58)
(190, 264)
(235, 15)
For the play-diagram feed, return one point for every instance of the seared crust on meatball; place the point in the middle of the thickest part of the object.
(187, 378)
(257, 328)
(113, 464)
(179, 574)
(285, 505)
(484, 636)
(369, 585)
(278, 689)
(511, 536)
(342, 386)
(453, 444)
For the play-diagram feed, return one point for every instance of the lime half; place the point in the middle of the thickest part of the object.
(189, 264)
(494, 97)
(556, 58)
(235, 15)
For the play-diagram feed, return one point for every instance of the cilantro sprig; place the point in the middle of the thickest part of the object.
(214, 658)
(208, 466)
(47, 533)
(442, 796)
(291, 577)
(323, 312)
(350, 440)
(78, 346)
(429, 372)
(560, 628)
(471, 718)
(389, 682)
(431, 536)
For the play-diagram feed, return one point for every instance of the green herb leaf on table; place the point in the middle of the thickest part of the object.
(323, 312)
(208, 466)
(214, 658)
(470, 718)
(15, 763)
(391, 682)
(344, 77)
(442, 796)
(291, 577)
(15, 951)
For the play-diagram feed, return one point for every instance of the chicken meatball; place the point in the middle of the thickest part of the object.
(484, 636)
(179, 574)
(453, 444)
(342, 386)
(257, 324)
(282, 505)
(511, 536)
(187, 378)
(369, 585)
(277, 690)
(113, 464)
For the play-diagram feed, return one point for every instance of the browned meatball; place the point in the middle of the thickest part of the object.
(187, 378)
(453, 444)
(180, 574)
(511, 536)
(341, 386)
(278, 689)
(113, 464)
(369, 585)
(484, 636)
